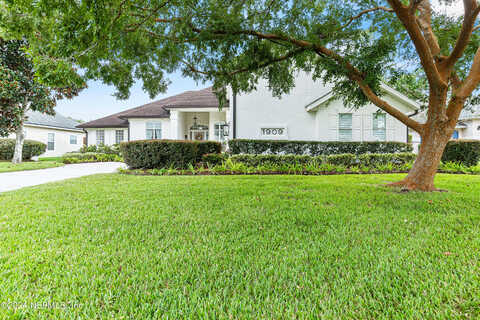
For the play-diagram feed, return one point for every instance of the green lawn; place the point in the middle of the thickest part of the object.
(7, 166)
(241, 247)
(57, 159)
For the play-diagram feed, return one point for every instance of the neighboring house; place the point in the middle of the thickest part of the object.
(59, 133)
(468, 126)
(308, 113)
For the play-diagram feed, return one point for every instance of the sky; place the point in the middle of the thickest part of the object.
(98, 101)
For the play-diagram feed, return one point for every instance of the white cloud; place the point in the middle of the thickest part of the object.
(454, 9)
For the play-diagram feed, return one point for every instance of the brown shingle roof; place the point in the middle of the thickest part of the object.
(158, 109)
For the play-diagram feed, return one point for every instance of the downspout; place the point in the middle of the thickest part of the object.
(128, 131)
(412, 115)
(234, 115)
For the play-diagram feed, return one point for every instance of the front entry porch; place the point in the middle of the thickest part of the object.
(199, 125)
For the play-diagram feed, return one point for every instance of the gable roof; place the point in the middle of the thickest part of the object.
(314, 105)
(471, 113)
(57, 121)
(204, 98)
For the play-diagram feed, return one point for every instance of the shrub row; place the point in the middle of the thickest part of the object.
(150, 154)
(466, 152)
(31, 148)
(115, 149)
(90, 157)
(314, 148)
(346, 160)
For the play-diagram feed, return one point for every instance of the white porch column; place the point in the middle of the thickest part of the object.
(228, 120)
(174, 119)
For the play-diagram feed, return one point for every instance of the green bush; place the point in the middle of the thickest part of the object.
(214, 159)
(379, 159)
(115, 149)
(314, 148)
(151, 154)
(31, 148)
(90, 157)
(255, 160)
(466, 152)
(85, 149)
(346, 159)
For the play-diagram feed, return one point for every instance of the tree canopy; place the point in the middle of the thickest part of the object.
(233, 42)
(352, 44)
(20, 89)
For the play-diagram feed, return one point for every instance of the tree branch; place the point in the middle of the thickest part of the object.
(353, 73)
(472, 9)
(363, 13)
(358, 77)
(427, 60)
(249, 68)
(425, 22)
(473, 79)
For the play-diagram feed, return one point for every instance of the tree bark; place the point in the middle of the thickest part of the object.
(421, 176)
(20, 138)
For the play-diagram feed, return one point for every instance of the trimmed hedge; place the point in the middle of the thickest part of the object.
(151, 154)
(115, 149)
(466, 152)
(90, 157)
(314, 148)
(346, 160)
(375, 159)
(31, 148)
(214, 159)
(255, 160)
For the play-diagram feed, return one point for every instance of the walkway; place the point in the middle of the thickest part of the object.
(20, 179)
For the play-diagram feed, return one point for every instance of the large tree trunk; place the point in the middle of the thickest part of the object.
(20, 138)
(421, 176)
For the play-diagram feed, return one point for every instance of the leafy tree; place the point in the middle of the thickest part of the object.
(21, 91)
(353, 44)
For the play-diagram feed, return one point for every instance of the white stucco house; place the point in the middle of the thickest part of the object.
(59, 133)
(308, 113)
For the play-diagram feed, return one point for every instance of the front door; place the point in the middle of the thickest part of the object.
(198, 135)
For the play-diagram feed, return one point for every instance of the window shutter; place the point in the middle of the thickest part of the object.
(345, 127)
(332, 127)
(356, 126)
(392, 127)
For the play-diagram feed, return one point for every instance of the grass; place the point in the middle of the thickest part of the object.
(241, 247)
(56, 159)
(7, 166)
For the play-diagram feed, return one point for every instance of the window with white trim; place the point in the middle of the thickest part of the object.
(100, 135)
(119, 136)
(73, 139)
(154, 130)
(345, 127)
(51, 142)
(380, 126)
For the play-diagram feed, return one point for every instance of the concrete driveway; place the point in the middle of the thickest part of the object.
(20, 179)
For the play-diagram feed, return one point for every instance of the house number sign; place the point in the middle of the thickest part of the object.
(273, 131)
